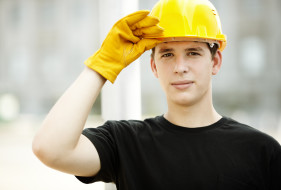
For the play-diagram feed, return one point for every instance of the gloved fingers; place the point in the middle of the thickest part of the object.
(135, 17)
(126, 33)
(148, 31)
(134, 51)
(147, 44)
(137, 25)
(146, 22)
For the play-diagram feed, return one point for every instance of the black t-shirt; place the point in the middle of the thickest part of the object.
(158, 155)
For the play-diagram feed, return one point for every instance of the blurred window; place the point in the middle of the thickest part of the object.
(51, 67)
(79, 10)
(253, 54)
(15, 12)
(252, 8)
(47, 12)
(19, 65)
(215, 3)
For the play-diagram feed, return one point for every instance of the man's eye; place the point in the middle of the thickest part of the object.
(167, 55)
(193, 53)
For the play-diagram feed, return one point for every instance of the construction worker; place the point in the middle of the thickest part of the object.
(191, 146)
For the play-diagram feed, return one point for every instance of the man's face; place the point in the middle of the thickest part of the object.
(184, 70)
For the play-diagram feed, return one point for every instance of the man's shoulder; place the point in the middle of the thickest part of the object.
(247, 132)
(234, 124)
(132, 124)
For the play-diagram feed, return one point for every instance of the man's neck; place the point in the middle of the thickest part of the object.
(193, 116)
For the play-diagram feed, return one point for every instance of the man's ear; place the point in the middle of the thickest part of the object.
(153, 67)
(217, 62)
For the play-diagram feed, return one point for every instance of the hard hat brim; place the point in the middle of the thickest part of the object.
(221, 43)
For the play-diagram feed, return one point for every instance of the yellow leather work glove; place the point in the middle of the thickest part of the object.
(124, 44)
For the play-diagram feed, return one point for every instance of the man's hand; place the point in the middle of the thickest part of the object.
(124, 44)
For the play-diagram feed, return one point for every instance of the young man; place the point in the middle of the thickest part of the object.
(191, 146)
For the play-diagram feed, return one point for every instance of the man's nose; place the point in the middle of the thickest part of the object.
(180, 65)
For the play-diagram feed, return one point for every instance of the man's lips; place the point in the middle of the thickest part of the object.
(182, 84)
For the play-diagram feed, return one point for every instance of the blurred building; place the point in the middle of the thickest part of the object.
(43, 44)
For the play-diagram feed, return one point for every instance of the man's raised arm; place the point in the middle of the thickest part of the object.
(59, 143)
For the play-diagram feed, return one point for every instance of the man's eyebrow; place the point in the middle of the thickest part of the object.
(164, 50)
(194, 49)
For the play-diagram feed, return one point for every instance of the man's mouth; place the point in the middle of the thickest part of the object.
(183, 84)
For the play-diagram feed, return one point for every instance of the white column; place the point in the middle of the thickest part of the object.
(121, 100)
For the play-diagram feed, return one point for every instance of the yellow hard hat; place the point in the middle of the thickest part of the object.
(189, 19)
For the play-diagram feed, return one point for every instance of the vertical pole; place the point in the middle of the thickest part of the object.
(122, 100)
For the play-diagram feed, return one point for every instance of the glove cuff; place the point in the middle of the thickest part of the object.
(108, 73)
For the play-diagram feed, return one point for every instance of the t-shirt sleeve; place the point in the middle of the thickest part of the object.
(275, 167)
(103, 139)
